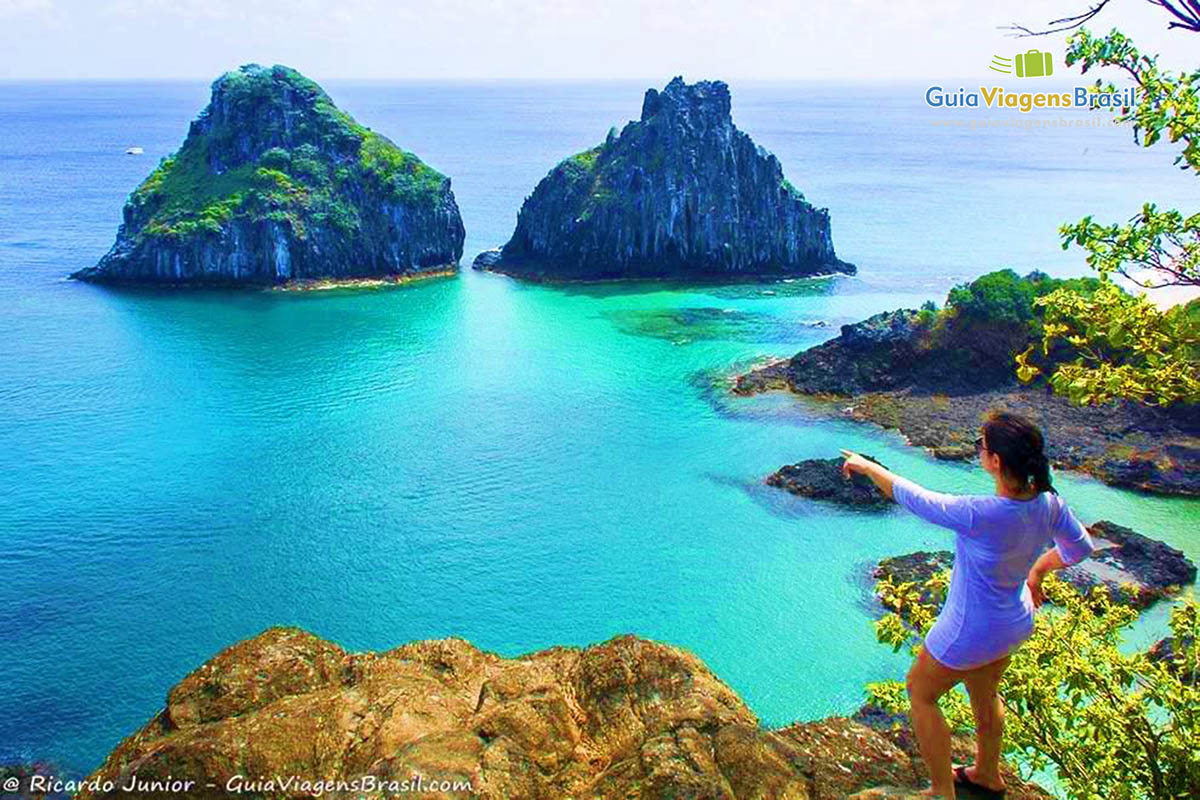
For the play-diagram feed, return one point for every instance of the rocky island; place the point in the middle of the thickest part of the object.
(680, 193)
(821, 479)
(627, 718)
(274, 185)
(933, 374)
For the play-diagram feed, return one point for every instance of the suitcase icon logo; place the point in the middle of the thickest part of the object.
(1034, 64)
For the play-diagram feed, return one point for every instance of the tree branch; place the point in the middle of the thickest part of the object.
(1064, 24)
(1186, 15)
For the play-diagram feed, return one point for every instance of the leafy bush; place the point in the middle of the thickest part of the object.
(1005, 300)
(1112, 725)
(308, 166)
(587, 159)
(1127, 348)
(406, 175)
(1000, 296)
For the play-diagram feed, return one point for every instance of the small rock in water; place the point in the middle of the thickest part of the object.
(822, 479)
(1154, 568)
(917, 568)
(954, 452)
(487, 259)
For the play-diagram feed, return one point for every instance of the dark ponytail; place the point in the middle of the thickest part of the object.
(1021, 449)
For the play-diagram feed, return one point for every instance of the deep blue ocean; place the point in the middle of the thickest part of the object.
(518, 465)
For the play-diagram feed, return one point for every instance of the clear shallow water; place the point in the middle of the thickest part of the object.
(518, 465)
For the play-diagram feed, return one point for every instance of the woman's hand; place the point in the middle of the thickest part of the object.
(855, 464)
(1034, 582)
(1048, 561)
(863, 466)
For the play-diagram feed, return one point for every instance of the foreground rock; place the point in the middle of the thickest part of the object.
(1123, 558)
(627, 718)
(821, 479)
(680, 193)
(934, 376)
(275, 184)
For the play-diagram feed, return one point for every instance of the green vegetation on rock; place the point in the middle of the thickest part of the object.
(184, 196)
(274, 182)
(1004, 296)
(586, 159)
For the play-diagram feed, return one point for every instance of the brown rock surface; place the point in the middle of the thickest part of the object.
(627, 718)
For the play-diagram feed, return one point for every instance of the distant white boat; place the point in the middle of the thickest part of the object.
(134, 151)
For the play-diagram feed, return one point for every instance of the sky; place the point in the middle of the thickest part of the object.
(842, 40)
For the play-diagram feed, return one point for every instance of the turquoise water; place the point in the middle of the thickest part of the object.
(519, 465)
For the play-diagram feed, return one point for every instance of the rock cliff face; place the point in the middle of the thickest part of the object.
(680, 193)
(275, 184)
(627, 718)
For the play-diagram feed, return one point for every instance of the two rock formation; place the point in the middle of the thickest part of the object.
(275, 184)
(679, 193)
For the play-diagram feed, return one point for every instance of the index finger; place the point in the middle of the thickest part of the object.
(846, 453)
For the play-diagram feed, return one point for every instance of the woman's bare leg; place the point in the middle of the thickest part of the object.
(927, 681)
(983, 687)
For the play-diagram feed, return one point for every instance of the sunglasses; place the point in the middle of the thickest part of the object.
(980, 446)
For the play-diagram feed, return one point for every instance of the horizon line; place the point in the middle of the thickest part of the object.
(1057, 79)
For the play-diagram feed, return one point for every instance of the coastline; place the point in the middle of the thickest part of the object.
(1123, 446)
(381, 282)
(297, 285)
(705, 280)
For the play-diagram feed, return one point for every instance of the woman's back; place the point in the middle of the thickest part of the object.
(1001, 558)
(997, 540)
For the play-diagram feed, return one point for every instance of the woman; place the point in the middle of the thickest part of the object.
(995, 586)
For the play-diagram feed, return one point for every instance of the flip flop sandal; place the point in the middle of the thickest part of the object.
(978, 790)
